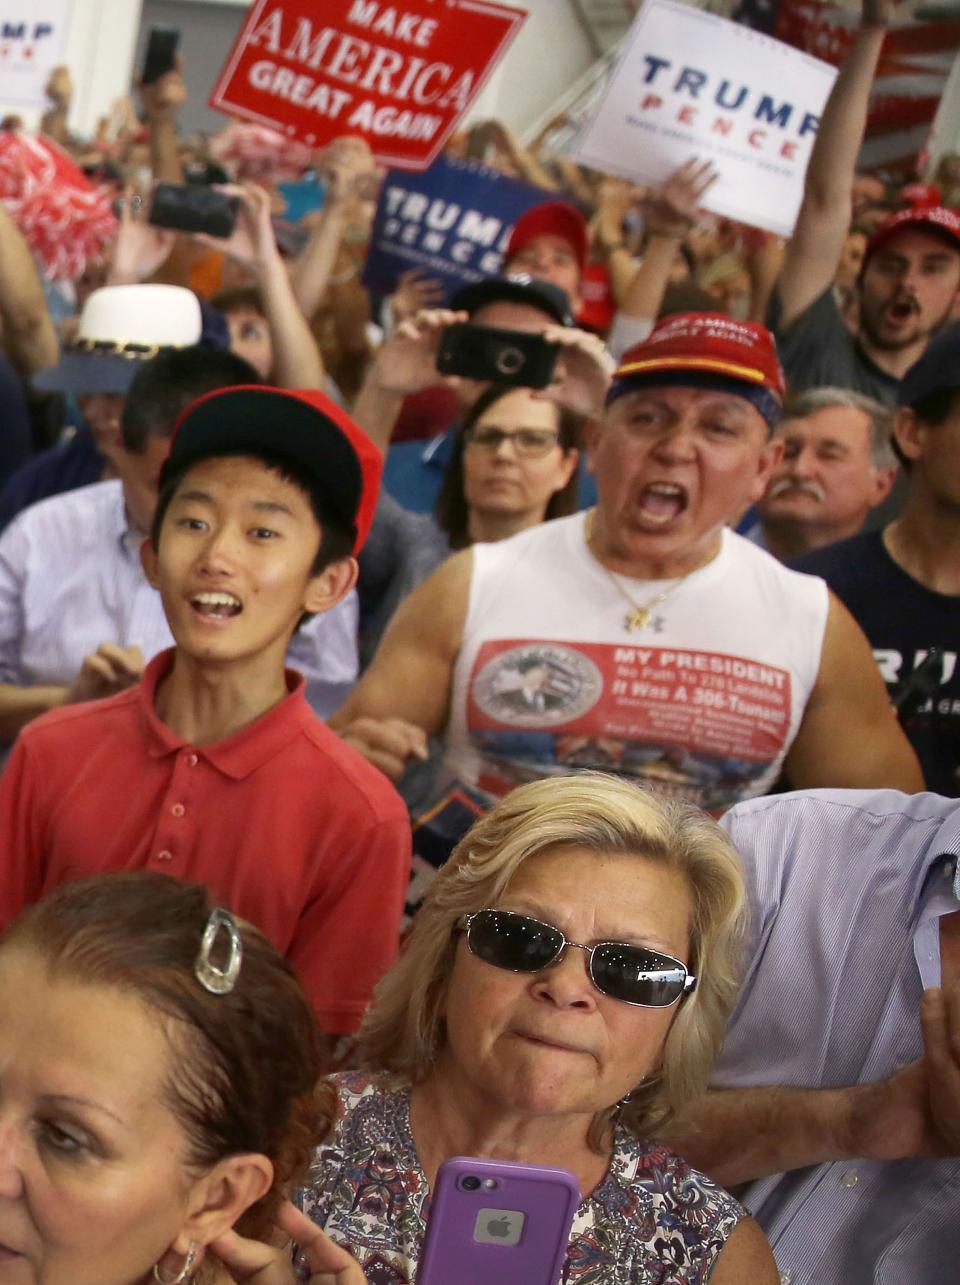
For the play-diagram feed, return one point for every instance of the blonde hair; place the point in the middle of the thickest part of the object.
(404, 1030)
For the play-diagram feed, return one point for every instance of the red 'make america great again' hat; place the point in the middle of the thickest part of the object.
(710, 343)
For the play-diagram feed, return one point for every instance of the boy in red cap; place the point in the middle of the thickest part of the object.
(550, 242)
(214, 768)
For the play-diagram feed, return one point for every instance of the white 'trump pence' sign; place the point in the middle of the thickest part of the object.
(32, 40)
(691, 84)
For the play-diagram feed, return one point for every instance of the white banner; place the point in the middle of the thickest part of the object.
(32, 42)
(689, 84)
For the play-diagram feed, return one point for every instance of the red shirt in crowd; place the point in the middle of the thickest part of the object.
(289, 827)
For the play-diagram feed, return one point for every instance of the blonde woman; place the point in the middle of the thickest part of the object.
(563, 993)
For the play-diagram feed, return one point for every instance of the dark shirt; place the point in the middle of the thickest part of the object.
(903, 620)
(70, 464)
(16, 433)
(819, 351)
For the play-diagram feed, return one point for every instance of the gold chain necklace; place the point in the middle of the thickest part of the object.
(638, 617)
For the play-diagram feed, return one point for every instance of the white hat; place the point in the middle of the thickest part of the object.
(121, 326)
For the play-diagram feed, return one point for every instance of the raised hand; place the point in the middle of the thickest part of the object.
(583, 372)
(673, 209)
(106, 671)
(407, 362)
(140, 249)
(415, 291)
(250, 1262)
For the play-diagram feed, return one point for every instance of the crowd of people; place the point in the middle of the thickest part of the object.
(400, 764)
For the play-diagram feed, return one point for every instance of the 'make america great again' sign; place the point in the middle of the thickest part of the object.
(400, 76)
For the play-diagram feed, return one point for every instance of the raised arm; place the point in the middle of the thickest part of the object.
(404, 696)
(850, 737)
(29, 335)
(296, 358)
(814, 249)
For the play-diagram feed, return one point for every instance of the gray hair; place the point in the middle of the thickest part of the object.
(810, 400)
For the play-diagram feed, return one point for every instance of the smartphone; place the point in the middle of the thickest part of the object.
(190, 207)
(161, 53)
(495, 1221)
(513, 357)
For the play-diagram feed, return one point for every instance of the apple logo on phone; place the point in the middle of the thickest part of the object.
(499, 1226)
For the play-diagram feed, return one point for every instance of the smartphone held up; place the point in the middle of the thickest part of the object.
(496, 1221)
(192, 207)
(513, 357)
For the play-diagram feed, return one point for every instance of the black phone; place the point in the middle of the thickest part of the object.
(513, 357)
(161, 53)
(189, 207)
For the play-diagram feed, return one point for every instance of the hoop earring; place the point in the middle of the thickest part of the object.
(185, 1272)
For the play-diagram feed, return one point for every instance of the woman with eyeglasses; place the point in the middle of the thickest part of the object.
(562, 994)
(513, 465)
(159, 1094)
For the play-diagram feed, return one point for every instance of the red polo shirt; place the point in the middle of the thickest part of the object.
(288, 826)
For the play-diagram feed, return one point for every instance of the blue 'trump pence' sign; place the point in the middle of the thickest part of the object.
(453, 220)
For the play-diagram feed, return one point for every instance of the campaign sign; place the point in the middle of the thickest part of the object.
(400, 76)
(689, 84)
(453, 220)
(32, 39)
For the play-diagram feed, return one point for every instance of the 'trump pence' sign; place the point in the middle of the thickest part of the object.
(691, 84)
(400, 76)
(32, 38)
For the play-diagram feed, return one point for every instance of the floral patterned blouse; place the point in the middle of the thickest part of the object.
(652, 1220)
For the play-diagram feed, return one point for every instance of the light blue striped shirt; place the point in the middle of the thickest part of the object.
(847, 887)
(70, 579)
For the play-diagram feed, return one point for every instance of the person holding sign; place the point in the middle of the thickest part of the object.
(911, 271)
(656, 632)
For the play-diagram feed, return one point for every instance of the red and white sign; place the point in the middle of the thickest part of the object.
(400, 76)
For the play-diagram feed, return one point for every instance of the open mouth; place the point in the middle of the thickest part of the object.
(902, 310)
(216, 606)
(661, 503)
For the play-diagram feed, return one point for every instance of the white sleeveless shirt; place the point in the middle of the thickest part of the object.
(703, 703)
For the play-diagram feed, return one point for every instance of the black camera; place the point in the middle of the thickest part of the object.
(470, 1183)
(189, 207)
(513, 357)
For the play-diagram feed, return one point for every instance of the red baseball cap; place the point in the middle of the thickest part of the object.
(937, 219)
(552, 218)
(709, 342)
(302, 425)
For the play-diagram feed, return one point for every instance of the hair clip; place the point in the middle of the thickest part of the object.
(212, 977)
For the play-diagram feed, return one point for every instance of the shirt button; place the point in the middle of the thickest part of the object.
(178, 809)
(191, 760)
(850, 1178)
(164, 855)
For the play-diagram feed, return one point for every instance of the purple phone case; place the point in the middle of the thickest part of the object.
(546, 1198)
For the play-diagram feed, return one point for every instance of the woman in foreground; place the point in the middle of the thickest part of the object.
(562, 994)
(159, 1094)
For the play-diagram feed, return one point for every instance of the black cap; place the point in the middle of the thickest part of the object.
(302, 425)
(938, 370)
(518, 287)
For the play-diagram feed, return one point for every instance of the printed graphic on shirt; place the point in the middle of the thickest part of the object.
(700, 726)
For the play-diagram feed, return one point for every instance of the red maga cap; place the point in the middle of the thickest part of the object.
(552, 218)
(711, 342)
(937, 219)
(301, 425)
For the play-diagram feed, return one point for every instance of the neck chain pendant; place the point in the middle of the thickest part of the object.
(638, 618)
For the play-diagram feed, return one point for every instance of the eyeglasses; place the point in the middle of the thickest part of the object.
(521, 944)
(527, 442)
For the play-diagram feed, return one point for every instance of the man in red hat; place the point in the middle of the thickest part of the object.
(214, 768)
(549, 241)
(910, 277)
(668, 648)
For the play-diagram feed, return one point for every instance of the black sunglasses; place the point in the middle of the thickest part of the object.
(629, 973)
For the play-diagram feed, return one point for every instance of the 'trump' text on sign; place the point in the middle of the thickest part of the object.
(400, 76)
(691, 84)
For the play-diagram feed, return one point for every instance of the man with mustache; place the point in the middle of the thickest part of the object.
(911, 271)
(837, 465)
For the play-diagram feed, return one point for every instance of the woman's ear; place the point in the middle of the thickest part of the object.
(219, 1198)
